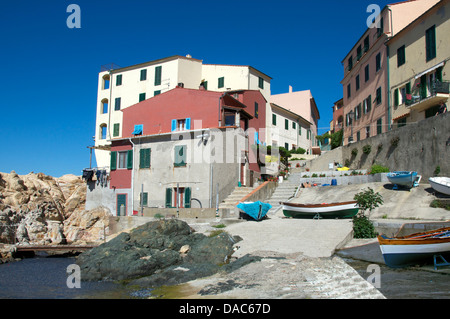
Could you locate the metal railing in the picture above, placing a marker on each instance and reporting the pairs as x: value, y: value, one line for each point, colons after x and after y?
x: 422, y: 93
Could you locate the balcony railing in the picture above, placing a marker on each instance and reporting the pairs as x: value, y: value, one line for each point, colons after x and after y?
x: 437, y: 89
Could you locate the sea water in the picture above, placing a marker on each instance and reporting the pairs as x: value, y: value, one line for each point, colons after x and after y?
x: 46, y: 278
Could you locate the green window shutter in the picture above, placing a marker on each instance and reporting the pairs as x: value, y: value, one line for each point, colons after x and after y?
x: 286, y: 124
x: 157, y: 93
x: 158, y: 73
x: 423, y: 86
x: 116, y: 129
x: 221, y: 83
x: 113, y: 161
x: 187, y: 197
x: 130, y: 159
x: 294, y: 126
x: 141, y: 97
x: 396, y: 97
x: 261, y: 83
x: 144, y: 75
x: 144, y: 158
x: 144, y: 199
x: 379, y: 126
x: 439, y: 74
x: 117, y: 104
x: 180, y: 156
x: 430, y: 39
x: 256, y: 110
x: 274, y: 119
x: 168, y: 197
x: 119, y: 80
x: 408, y: 88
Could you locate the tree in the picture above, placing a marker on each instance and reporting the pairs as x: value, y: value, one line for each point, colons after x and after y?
x: 367, y: 201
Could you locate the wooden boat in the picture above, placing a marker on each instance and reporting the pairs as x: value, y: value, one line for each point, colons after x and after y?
x: 255, y: 210
x: 333, y: 210
x: 415, y: 249
x: 405, y: 179
x: 440, y: 184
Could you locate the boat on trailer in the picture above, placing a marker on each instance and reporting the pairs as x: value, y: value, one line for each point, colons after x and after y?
x: 318, y: 211
x: 419, y: 248
x: 404, y: 179
x: 440, y: 184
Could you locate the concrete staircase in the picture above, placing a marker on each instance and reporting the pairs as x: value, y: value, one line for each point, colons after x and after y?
x: 284, y: 191
x: 233, y: 199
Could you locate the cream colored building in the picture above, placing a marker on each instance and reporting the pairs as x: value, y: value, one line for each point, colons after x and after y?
x: 419, y: 69
x: 119, y: 88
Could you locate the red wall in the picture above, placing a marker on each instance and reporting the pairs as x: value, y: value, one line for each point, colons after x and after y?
x: 120, y: 178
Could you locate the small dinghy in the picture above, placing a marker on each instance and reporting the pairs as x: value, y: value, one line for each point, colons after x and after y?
x: 440, y: 184
x: 404, y: 179
x: 255, y: 210
x: 415, y: 249
x: 317, y: 211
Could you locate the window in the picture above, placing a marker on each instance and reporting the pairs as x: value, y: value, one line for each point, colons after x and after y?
x: 367, y: 106
x: 430, y: 40
x: 143, y: 199
x: 119, y: 80
x: 230, y: 119
x: 366, y: 73
x: 378, y: 98
x: 401, y: 59
x: 138, y: 129
x: 381, y: 28
x: 358, y: 112
x: 396, y: 98
x: 286, y: 124
x: 144, y: 75
x: 367, y: 131
x: 141, y: 97
x: 180, y: 156
x: 378, y: 62
x: 103, y: 131
x: 274, y: 119
x: 117, y: 104
x: 357, y: 82
x: 158, y: 73
x: 350, y: 63
x: 401, y: 122
x: 358, y: 136
x: 379, y: 126
x: 122, y: 160
x: 349, y: 91
x: 261, y: 83
x: 256, y: 110
x: 221, y: 83
x: 144, y: 157
x: 359, y: 53
x: 366, y: 44
x: 105, y: 80
x: 286, y: 146
x: 178, y: 197
x: 158, y: 92
x: 294, y: 126
x: 104, y: 106
x: 181, y: 125
x: 116, y: 130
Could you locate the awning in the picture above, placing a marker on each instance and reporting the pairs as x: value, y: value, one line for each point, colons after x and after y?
x: 138, y: 129
x: 429, y: 70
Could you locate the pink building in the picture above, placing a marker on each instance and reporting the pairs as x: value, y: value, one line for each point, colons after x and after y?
x: 367, y: 107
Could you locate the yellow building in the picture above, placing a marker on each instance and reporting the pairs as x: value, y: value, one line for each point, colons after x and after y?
x: 419, y: 70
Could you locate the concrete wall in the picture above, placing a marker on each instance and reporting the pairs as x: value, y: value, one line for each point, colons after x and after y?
x: 421, y: 147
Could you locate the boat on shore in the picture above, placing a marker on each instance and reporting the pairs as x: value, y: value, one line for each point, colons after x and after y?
x: 404, y: 179
x: 440, y: 184
x: 332, y: 210
x: 415, y: 249
x: 255, y: 210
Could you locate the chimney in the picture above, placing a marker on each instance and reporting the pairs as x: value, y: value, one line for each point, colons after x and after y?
x: 290, y: 89
x: 188, y: 56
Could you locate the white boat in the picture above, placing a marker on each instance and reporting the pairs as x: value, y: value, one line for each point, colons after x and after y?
x: 440, y: 184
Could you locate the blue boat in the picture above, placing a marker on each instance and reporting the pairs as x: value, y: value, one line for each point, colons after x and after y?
x: 256, y: 210
x: 404, y: 179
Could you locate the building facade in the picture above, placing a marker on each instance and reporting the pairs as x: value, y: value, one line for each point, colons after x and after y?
x: 119, y: 88
x: 201, y: 146
x: 367, y: 109
x: 419, y: 69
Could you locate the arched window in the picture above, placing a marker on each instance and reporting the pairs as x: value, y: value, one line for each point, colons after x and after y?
x: 103, y: 131
x: 105, y: 84
x: 104, y: 106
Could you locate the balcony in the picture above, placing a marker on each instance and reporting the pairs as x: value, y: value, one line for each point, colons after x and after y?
x: 423, y: 98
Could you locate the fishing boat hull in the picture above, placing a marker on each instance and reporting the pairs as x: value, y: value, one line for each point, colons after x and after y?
x: 404, y: 179
x: 440, y: 184
x: 254, y: 210
x: 414, y: 249
x: 335, y: 210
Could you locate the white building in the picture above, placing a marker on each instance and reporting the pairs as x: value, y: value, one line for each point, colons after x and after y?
x: 119, y: 88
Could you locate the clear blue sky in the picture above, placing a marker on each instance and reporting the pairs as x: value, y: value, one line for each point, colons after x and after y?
x: 49, y: 72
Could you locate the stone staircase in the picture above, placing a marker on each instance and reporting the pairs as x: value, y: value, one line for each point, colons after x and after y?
x: 233, y: 199
x: 284, y: 191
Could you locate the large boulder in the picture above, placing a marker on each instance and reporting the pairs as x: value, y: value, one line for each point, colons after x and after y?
x: 155, y: 248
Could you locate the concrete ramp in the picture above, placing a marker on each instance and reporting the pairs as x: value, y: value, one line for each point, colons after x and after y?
x: 313, y: 238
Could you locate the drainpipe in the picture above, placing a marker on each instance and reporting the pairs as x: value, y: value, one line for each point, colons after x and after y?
x: 220, y: 109
x: 388, y: 90
x: 132, y: 177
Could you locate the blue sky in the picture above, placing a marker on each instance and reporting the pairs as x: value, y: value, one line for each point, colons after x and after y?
x: 48, y: 79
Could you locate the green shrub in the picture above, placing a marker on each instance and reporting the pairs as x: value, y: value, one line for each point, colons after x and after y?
x: 367, y: 149
x: 363, y: 227
x: 375, y: 169
x: 354, y: 151
x: 367, y: 201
